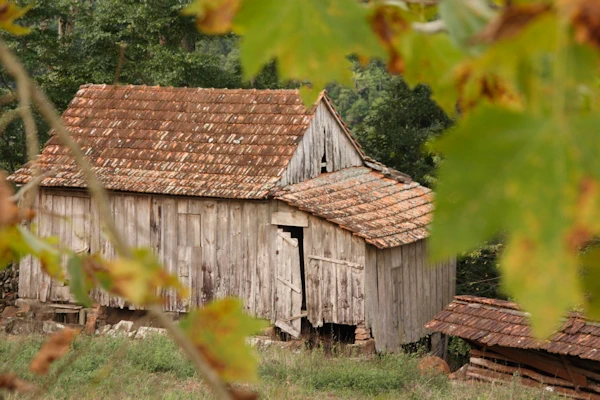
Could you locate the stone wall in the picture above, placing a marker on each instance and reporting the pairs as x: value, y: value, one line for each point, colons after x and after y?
x: 9, y: 287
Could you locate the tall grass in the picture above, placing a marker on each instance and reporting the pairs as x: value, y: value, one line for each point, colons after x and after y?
x: 154, y: 368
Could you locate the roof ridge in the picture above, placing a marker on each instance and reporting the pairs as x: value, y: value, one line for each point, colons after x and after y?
x: 175, y: 88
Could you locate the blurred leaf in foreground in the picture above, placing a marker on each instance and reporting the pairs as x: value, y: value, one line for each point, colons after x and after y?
x: 8, y: 14
x: 532, y: 183
x: 13, y: 383
x: 54, y: 349
x: 138, y: 279
x: 80, y: 283
x: 213, y: 16
x: 309, y: 39
x: 219, y: 331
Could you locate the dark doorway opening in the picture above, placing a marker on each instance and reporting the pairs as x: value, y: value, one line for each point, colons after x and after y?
x: 297, y: 232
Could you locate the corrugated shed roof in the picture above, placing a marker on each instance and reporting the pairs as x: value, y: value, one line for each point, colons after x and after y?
x: 386, y: 212
x: 185, y: 141
x: 502, y: 323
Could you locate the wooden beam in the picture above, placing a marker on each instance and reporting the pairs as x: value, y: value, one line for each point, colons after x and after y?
x: 289, y: 284
x: 506, y: 369
x: 290, y: 218
x: 291, y: 241
x: 539, y: 362
x: 334, y: 261
x: 492, y: 376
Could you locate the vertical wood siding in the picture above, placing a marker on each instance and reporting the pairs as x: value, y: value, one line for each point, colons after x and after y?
x: 217, y: 248
x: 404, y: 293
x: 334, y: 261
x: 224, y: 248
x: 324, y: 136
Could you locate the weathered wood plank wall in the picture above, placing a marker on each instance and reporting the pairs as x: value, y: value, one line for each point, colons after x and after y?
x: 335, y: 274
x: 228, y: 248
x: 324, y: 137
x: 217, y: 248
x: 404, y: 293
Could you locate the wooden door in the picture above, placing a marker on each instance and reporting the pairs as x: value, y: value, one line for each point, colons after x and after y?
x: 334, y: 291
x: 288, y: 293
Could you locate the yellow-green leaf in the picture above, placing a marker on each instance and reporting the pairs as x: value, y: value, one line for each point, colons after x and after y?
x: 309, y: 39
x: 45, y: 249
x: 433, y: 59
x: 464, y: 19
x: 523, y: 174
x: 138, y: 279
x: 213, y: 16
x: 219, y: 331
x: 10, y: 12
x: 80, y: 283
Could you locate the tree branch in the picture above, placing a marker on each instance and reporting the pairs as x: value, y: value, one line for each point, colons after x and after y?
x: 24, y: 89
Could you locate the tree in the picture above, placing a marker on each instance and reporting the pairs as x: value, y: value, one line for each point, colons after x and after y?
x: 399, y: 125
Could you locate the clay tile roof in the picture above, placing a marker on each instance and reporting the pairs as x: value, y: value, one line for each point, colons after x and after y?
x: 469, y: 317
x: 199, y: 142
x: 386, y: 212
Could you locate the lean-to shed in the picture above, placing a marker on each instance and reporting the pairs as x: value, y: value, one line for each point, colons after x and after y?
x: 246, y: 193
x: 503, y: 348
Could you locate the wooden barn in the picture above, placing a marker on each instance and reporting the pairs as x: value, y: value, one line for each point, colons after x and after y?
x: 246, y: 193
x: 503, y: 348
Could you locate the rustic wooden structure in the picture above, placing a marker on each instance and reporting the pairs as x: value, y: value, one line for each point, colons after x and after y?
x: 503, y: 349
x: 246, y: 193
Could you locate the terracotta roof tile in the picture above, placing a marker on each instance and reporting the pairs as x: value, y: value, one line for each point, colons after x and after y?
x: 382, y: 210
x: 497, y: 322
x: 199, y: 142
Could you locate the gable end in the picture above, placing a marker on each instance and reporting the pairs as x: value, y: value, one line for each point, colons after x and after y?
x: 326, y: 146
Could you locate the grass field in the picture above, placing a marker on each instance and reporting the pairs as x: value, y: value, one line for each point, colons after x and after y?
x: 113, y: 368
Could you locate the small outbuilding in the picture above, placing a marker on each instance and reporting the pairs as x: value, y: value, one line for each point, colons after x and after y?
x: 503, y: 348
x: 245, y: 193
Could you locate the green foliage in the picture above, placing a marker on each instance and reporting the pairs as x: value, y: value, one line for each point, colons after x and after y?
x: 459, y: 352
x: 536, y: 156
x: 398, y: 126
x: 478, y: 271
x: 376, y: 377
x: 464, y: 19
x: 354, y: 102
x: 315, y: 32
x: 158, y: 353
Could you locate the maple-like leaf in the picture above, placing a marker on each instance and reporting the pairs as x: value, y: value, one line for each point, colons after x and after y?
x: 137, y: 279
x: 10, y: 12
x: 213, y: 16
x: 219, y: 331
x: 585, y: 17
x: 464, y: 19
x: 81, y: 280
x: 511, y: 21
x: 310, y: 40
x: 389, y: 24
x: 523, y: 174
x: 432, y: 59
